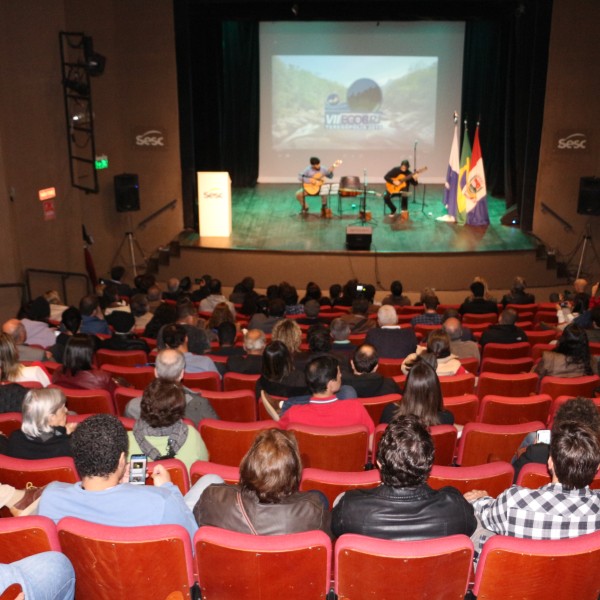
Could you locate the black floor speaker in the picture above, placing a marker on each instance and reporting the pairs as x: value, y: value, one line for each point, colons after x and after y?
x: 589, y: 196
x: 358, y: 238
x: 127, y: 192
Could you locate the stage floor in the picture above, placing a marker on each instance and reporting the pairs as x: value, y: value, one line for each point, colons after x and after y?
x: 267, y: 218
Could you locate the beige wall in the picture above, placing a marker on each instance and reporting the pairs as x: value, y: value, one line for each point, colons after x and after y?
x: 573, y: 105
x: 138, y: 88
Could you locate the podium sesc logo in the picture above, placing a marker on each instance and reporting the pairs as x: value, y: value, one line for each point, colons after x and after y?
x: 574, y: 141
x: 150, y: 138
x: 214, y: 192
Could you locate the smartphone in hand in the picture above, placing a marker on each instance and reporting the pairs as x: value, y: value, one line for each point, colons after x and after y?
x: 137, y: 469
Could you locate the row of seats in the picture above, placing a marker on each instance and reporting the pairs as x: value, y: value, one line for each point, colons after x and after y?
x: 230, y: 565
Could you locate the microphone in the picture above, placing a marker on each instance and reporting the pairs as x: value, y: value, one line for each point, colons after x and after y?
x: 365, y: 176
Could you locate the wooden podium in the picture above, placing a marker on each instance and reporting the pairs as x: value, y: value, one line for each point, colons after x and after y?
x: 214, y: 203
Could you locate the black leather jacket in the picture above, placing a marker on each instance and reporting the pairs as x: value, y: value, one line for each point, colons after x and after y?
x: 412, y: 513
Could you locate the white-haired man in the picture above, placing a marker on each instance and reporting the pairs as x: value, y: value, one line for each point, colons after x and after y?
x: 389, y: 339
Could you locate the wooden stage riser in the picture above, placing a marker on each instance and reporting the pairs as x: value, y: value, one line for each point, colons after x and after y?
x: 444, y: 272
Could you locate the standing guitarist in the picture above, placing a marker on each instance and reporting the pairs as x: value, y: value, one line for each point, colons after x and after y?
x: 398, y: 181
x: 312, y: 179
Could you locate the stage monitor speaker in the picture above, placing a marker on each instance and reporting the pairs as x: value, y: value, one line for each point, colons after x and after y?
x: 127, y: 192
x: 510, y: 217
x: 358, y: 238
x: 589, y: 196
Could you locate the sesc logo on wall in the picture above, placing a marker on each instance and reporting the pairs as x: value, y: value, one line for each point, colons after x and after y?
x: 572, y: 142
x: 149, y: 138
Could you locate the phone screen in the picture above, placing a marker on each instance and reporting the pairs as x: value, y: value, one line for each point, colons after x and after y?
x: 137, y: 469
x: 542, y: 436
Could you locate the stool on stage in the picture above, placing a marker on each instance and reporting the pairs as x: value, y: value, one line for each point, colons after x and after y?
x: 350, y: 187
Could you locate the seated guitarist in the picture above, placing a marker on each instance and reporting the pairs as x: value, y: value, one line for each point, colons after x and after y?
x: 312, y: 178
x: 398, y: 181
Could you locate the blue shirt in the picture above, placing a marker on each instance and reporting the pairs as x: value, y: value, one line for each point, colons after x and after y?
x: 93, y: 325
x: 124, y: 505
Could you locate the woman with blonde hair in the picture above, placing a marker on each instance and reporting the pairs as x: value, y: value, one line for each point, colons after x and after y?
x: 12, y: 370
x: 44, y: 432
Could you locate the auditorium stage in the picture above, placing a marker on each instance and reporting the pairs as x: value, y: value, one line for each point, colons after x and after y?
x: 273, y: 241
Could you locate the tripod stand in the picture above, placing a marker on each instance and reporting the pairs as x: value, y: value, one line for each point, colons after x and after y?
x: 362, y: 207
x: 132, y: 244
x: 583, y: 242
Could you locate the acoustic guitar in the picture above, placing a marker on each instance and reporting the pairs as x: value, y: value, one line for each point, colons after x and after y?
x: 313, y: 185
x: 400, y: 182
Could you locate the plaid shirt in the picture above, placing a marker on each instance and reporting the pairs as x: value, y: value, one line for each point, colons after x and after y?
x: 426, y: 319
x: 547, y: 513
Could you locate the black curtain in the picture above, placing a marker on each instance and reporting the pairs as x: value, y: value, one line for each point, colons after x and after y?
x: 504, y: 75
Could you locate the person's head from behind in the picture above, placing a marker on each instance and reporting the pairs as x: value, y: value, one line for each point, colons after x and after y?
x: 431, y: 302
x: 88, y: 305
x: 214, y: 287
x: 581, y: 410
x: 396, y: 288
x: 277, y: 361
x: 163, y: 403
x: 220, y: 314
x: 288, y: 293
x: 100, y: 446
x: 276, y: 307
x: 9, y: 358
x: 169, y: 365
x: 453, y: 328
x: 313, y: 291
x: 255, y: 341
x: 312, y: 308
x: 339, y: 330
x: 574, y: 454
x: 508, y: 317
x: 288, y: 332
x: 387, y: 316
x: 42, y: 410
x: 360, y: 305
x: 335, y: 291
x: 117, y: 273
x: 227, y: 333
x: 139, y: 305
x: 16, y: 330
x: 519, y: 285
x: 272, y: 468
x: 165, y: 314
x: 477, y: 289
x: 422, y: 393
x: 406, y: 452
x: 573, y: 343
x: 438, y: 343
x: 71, y: 320
x: 322, y: 371
x: 186, y: 311
x: 174, y: 336
x: 365, y: 359
x: 79, y: 354
x: 318, y: 338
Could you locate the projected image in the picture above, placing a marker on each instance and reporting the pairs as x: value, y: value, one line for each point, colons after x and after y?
x: 354, y: 102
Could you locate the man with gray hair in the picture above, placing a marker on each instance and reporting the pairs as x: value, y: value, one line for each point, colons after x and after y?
x: 250, y: 364
x: 342, y: 347
x: 389, y: 339
x: 506, y: 332
x: 18, y: 333
x: 169, y: 366
x: 461, y: 349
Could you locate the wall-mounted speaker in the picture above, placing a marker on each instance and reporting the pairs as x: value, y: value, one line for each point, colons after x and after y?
x: 127, y: 192
x: 358, y: 238
x: 588, y: 202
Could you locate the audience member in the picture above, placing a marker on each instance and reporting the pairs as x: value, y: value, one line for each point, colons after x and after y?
x: 173, y: 291
x: 478, y: 304
x: 438, y: 344
x: 140, y: 309
x: 160, y: 431
x: 422, y: 396
x: 289, y: 332
x: 311, y: 313
x: 313, y: 292
x: 564, y: 508
x: 111, y: 301
x: 215, y: 297
x: 154, y: 298
x: 203, y: 291
x: 364, y: 377
x: 458, y: 347
x: 100, y: 448
x: 92, y: 317
x: 395, y: 297
x: 123, y: 337
x: 570, y: 358
x: 289, y: 295
x: 593, y: 331
x: 78, y: 371
x: 267, y: 500
x: 116, y: 278
x: 17, y: 331
x: 505, y: 332
x: 242, y: 290
x: 220, y: 314
x: 404, y: 507
x: 44, y: 431
x: 452, y: 313
x: 266, y: 321
x: 430, y: 316
x: 12, y: 370
x: 175, y: 337
x: 169, y: 367
x: 226, y: 334
x: 324, y: 379
x: 279, y: 377
x: 11, y: 396
x: 187, y: 317
x: 341, y: 346
x: 358, y: 319
x: 390, y: 340
x: 34, y: 317
x: 517, y: 294
x: 250, y: 364
x: 165, y: 314
x: 70, y: 323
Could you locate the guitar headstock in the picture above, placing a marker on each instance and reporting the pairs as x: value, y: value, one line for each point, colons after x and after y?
x: 337, y: 163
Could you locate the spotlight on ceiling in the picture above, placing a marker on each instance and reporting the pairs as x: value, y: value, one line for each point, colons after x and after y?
x: 94, y: 62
